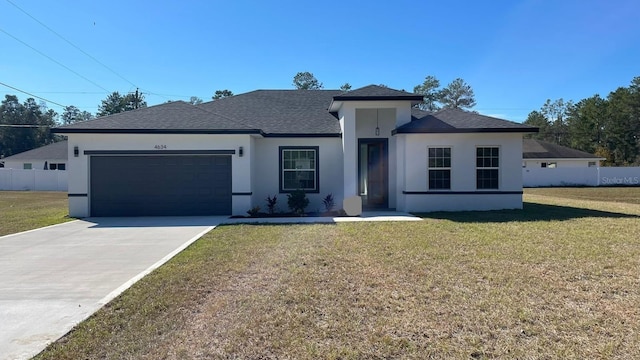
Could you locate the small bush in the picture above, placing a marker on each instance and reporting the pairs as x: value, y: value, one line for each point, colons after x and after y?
x: 271, y: 204
x: 297, y: 201
x: 328, y: 202
x: 254, y: 211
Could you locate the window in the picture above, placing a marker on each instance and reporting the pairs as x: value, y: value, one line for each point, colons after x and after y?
x: 592, y: 164
x: 53, y: 166
x: 299, y: 169
x: 487, y: 167
x: 439, y: 168
x: 26, y: 166
x: 60, y: 166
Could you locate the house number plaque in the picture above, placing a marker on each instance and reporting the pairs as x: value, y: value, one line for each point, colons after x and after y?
x: 160, y: 147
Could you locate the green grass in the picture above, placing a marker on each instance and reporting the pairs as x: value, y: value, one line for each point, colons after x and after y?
x: 629, y: 195
x: 26, y: 210
x: 556, y: 280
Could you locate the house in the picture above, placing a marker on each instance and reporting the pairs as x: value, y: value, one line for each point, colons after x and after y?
x: 228, y: 155
x: 542, y: 154
x: 48, y: 157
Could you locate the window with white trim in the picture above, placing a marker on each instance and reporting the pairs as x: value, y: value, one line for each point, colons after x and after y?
x: 487, y: 167
x: 299, y: 169
x: 439, y: 168
x: 27, y: 166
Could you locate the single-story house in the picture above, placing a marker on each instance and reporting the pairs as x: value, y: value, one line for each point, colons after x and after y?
x: 48, y: 157
x: 543, y: 154
x: 228, y: 155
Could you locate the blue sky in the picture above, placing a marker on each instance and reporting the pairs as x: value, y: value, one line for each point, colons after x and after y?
x: 515, y: 54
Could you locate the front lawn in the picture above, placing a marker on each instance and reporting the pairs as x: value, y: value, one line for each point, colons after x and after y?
x: 621, y: 194
x: 26, y: 210
x: 557, y: 280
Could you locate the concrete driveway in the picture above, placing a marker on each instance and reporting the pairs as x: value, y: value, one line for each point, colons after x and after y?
x: 53, y: 278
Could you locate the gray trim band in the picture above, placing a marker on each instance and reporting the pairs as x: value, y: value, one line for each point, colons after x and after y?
x: 462, y: 192
x: 77, y: 195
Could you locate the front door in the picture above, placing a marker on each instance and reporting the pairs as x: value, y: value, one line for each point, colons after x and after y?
x: 373, y: 172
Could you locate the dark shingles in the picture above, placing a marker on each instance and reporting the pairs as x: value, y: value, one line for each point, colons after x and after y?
x: 457, y: 120
x: 55, y: 151
x: 376, y: 92
x: 176, y: 115
x: 538, y: 149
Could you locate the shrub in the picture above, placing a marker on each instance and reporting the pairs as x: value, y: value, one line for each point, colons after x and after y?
x: 271, y: 204
x: 254, y: 211
x: 297, y: 201
x: 328, y: 202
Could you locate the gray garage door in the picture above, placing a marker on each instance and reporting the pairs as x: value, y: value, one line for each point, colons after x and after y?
x: 160, y: 185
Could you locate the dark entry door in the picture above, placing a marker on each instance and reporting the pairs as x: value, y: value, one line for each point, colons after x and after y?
x: 373, y: 172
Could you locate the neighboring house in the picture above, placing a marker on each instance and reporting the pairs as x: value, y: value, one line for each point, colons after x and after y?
x: 542, y: 154
x: 226, y: 156
x: 53, y: 155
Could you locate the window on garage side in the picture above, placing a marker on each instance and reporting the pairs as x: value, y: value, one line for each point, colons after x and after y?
x: 299, y: 169
x: 439, y: 164
x: 487, y: 167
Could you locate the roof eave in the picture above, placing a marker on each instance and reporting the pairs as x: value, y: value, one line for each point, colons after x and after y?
x: 466, y: 131
x: 156, y: 131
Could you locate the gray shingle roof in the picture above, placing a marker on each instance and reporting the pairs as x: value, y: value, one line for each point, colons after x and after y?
x: 176, y: 116
x: 376, y: 92
x: 279, y: 112
x: 538, y: 149
x: 55, y: 151
x: 458, y: 121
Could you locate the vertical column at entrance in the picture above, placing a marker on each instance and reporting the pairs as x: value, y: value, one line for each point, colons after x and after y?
x: 350, y: 150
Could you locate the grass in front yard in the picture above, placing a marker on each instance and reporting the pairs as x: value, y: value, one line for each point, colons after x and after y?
x: 552, y: 281
x: 630, y: 195
x: 26, y: 210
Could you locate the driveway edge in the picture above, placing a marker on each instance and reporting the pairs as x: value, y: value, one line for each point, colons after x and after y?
x: 112, y: 295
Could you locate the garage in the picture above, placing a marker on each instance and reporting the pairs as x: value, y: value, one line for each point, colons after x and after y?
x: 161, y: 185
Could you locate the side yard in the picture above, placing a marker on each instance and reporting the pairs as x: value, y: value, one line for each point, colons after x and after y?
x: 26, y: 210
x: 558, y: 280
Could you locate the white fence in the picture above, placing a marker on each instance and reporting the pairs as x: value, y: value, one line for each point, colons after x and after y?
x: 30, y: 180
x: 603, y: 176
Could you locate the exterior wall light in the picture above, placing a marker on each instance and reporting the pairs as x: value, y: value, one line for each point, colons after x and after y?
x: 240, y: 151
x: 76, y: 151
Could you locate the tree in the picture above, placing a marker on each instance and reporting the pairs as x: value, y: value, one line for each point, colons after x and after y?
x: 26, y: 125
x: 306, y: 81
x: 457, y: 94
x: 194, y: 100
x: 345, y: 87
x: 72, y: 115
x: 536, y: 119
x: 556, y: 113
x: 116, y: 103
x: 586, y: 123
x: 219, y: 94
x: 431, y: 95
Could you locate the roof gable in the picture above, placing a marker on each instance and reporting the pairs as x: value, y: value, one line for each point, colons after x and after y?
x: 538, y: 149
x: 458, y: 121
x: 376, y: 92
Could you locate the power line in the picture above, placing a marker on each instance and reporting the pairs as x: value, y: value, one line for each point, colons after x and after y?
x: 30, y: 94
x: 70, y: 43
x: 52, y: 59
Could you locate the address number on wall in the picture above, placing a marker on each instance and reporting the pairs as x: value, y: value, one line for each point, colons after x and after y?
x: 160, y: 147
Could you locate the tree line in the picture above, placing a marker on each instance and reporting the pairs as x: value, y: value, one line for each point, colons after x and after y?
x: 607, y: 127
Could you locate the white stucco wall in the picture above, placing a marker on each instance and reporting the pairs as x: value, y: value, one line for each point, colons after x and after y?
x: 78, y: 167
x: 266, y: 171
x: 560, y: 163
x: 413, y: 154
